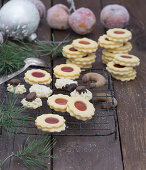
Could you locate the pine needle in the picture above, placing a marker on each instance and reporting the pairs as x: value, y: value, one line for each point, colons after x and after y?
x: 10, y: 114
x: 32, y: 152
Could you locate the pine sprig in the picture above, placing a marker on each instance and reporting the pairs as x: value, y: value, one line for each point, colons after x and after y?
x: 12, y: 55
x: 10, y: 114
x: 32, y: 152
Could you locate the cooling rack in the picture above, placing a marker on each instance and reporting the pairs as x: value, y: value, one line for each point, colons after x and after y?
x: 103, y: 123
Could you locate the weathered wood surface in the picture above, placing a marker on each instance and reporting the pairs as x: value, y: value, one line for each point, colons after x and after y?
x: 92, y: 153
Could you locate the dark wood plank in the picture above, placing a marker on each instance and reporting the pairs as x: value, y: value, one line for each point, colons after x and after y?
x: 131, y: 96
x: 86, y: 152
x: 9, y: 145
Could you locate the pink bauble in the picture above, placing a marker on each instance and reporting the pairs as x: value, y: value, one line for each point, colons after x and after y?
x: 82, y: 21
x: 57, y: 17
x: 114, y: 16
x: 1, y: 38
x: 40, y: 6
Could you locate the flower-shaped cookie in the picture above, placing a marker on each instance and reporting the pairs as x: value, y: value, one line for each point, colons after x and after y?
x: 126, y: 60
x: 80, y: 108
x: 70, y: 52
x: 37, y: 76
x: 85, y: 45
x: 58, y: 102
x: 119, y: 34
x: 106, y: 43
x: 70, y: 71
x: 50, y: 123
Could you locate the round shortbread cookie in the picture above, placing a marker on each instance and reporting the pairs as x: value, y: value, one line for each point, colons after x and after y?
x: 106, y: 43
x: 118, y: 69
x: 67, y: 71
x: 37, y: 76
x: 126, y: 60
x: 119, y: 34
x: 80, y: 65
x: 80, y: 108
x: 58, y: 102
x: 85, y: 45
x: 70, y: 52
x: 123, y: 49
x: 128, y: 77
x: 50, y: 123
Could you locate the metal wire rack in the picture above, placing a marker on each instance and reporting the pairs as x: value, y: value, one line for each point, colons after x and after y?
x: 103, y: 123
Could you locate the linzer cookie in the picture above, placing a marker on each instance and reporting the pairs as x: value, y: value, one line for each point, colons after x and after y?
x: 118, y: 34
x: 125, y: 77
x: 80, y: 108
x: 37, y: 76
x: 41, y: 90
x: 31, y: 101
x: 58, y: 102
x: 14, y: 86
x: 118, y: 69
x: 82, y: 66
x: 126, y: 60
x: 127, y: 47
x: 66, y: 84
x: 85, y: 45
x: 83, y: 92
x: 50, y: 123
x: 69, y: 51
x: 70, y: 71
x: 89, y: 58
x: 106, y: 43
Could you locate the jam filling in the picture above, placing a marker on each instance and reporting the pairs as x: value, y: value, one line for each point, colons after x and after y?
x: 85, y: 56
x: 38, y: 74
x: 51, y: 120
x: 118, y: 66
x: 61, y: 101
x: 125, y: 56
x: 73, y: 49
x: 67, y: 69
x: 106, y: 39
x: 119, y: 32
x: 80, y: 106
x: 84, y: 42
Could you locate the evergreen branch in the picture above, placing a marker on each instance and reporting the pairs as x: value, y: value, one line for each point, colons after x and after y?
x: 32, y: 152
x: 10, y: 114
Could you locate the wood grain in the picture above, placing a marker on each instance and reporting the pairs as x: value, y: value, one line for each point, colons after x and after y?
x: 131, y: 95
x: 88, y: 153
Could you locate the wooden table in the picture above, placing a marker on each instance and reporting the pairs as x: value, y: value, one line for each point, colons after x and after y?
x: 101, y: 153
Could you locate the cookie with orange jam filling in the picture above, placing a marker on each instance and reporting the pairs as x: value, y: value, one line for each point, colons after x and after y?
x: 85, y: 45
x: 119, y: 34
x: 37, y: 76
x: 69, y: 51
x: 80, y: 108
x: 58, y: 102
x: 70, y: 71
x: 50, y: 123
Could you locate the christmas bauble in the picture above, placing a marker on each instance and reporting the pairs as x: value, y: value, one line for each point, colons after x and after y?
x: 19, y: 19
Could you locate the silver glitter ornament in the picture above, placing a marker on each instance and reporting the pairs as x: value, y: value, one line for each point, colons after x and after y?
x: 19, y: 19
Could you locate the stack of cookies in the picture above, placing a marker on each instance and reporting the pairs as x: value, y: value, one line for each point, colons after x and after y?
x: 115, y: 42
x: 81, y: 52
x: 121, y: 68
